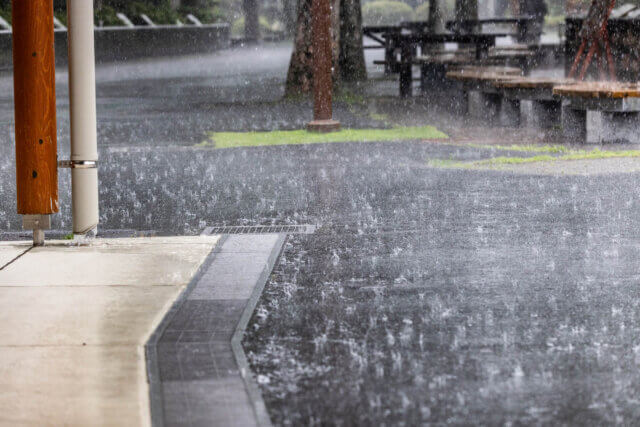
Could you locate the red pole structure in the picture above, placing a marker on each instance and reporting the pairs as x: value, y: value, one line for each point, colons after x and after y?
x: 35, y: 113
x: 322, y: 64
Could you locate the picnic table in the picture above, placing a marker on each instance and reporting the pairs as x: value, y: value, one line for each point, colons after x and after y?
x: 616, y: 104
x: 599, y: 90
x: 545, y: 106
x: 407, y: 44
x: 484, y: 101
x: 524, y: 25
x: 378, y: 33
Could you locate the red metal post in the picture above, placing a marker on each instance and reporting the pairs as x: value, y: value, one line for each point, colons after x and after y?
x: 322, y: 64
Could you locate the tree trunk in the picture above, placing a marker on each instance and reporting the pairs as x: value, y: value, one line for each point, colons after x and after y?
x: 251, y: 20
x: 289, y: 13
x: 466, y: 10
x: 351, y: 59
x: 436, y: 17
x: 300, y: 75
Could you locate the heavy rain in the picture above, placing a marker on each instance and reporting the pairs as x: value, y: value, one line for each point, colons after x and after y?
x: 458, y: 179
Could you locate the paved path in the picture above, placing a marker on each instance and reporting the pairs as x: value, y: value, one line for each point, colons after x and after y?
x: 74, y: 323
x: 197, y: 366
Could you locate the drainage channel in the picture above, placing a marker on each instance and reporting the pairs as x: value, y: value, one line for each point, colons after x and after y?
x: 261, y: 229
x: 198, y: 372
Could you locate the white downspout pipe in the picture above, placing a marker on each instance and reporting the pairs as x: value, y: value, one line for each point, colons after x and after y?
x: 82, y: 100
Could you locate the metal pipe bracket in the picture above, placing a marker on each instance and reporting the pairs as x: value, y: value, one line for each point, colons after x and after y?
x: 77, y: 164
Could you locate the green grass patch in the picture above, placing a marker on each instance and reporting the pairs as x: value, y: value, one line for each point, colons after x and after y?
x: 595, y: 154
x: 379, y: 117
x: 299, y: 137
x: 349, y: 97
x: 555, y: 149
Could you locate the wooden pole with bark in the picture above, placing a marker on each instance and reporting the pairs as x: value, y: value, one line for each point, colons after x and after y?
x: 35, y: 113
x: 322, y: 65
x: 300, y: 74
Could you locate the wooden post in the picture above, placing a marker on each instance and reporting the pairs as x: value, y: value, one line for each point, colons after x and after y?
x: 35, y: 109
x: 322, y: 64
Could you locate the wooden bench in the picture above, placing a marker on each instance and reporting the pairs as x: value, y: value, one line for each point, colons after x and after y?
x: 615, y: 108
x: 543, y: 108
x: 523, y: 59
x: 434, y: 66
x: 409, y: 43
x: 484, y: 100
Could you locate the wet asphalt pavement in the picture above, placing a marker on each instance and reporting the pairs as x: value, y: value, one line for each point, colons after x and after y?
x: 426, y: 296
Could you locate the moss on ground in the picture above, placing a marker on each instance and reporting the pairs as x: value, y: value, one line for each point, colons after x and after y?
x: 299, y: 137
x: 499, y: 161
x: 528, y: 148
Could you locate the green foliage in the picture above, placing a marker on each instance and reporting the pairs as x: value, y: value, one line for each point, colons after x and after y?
x: 384, y: 12
x: 237, y: 27
x: 5, y: 12
x: 106, y: 16
x: 554, y: 21
x: 159, y: 11
x: 208, y: 12
x: 160, y: 14
x: 422, y: 12
x: 62, y: 16
x: 298, y: 137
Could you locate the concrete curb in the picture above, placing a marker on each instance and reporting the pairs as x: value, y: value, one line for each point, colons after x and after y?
x: 259, y: 407
x: 151, y: 349
x: 125, y: 44
x: 154, y: 356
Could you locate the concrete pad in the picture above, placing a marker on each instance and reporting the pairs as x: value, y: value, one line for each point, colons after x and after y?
x: 10, y: 252
x: 510, y: 112
x: 607, y: 127
x: 95, y: 315
x: 574, y: 123
x: 110, y: 262
x: 74, y: 323
x: 544, y: 114
x: 83, y: 386
x: 484, y: 106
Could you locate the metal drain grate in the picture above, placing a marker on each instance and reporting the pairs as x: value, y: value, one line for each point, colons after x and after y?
x: 261, y: 229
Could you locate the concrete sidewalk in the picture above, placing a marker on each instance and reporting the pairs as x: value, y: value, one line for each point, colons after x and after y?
x: 75, y: 320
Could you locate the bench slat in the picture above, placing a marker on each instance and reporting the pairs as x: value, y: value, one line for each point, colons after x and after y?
x: 535, y: 83
x: 614, y: 90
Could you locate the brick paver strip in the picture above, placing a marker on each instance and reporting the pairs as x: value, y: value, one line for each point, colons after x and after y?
x: 198, y: 372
